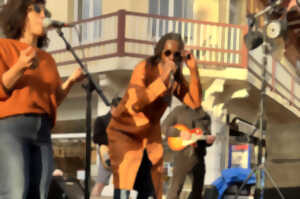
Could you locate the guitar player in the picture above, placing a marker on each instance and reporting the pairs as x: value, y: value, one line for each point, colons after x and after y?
x: 100, y: 138
x: 189, y: 160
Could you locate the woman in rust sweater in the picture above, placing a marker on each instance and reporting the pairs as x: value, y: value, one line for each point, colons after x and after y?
x: 134, y: 134
x: 30, y: 91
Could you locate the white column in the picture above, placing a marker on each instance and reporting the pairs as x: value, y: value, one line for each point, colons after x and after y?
x: 108, y: 93
x: 216, y: 157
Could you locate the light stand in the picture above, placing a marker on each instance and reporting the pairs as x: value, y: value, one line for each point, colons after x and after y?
x: 260, y: 169
x: 89, y: 87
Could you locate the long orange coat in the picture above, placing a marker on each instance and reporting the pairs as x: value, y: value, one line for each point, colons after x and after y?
x: 135, y: 124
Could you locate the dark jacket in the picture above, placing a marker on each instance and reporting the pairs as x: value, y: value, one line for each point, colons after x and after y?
x: 192, y: 119
x: 100, y: 125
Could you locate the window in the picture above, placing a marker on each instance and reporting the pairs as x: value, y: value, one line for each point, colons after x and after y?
x: 159, y: 7
x: 85, y: 9
x: 183, y: 9
x: 236, y: 15
x: 2, y: 2
x: 171, y: 8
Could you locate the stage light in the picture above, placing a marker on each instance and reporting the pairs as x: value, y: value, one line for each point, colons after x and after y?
x: 253, y: 39
x: 275, y: 28
x: 271, y: 31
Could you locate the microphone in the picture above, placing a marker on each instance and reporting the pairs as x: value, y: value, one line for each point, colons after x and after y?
x: 47, y: 23
x: 172, y: 73
x: 168, y: 97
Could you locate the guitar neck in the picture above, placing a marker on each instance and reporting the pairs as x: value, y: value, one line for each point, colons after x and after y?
x: 194, y: 139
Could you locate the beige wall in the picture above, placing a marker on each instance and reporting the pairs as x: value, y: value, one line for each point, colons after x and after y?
x: 243, y: 7
x: 59, y: 9
x: 239, y: 9
x: 219, y: 10
x: 71, y: 5
x: 110, y: 6
x: 207, y: 10
x: 64, y: 11
x: 212, y: 10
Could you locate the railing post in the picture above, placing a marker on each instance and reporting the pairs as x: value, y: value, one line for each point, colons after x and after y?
x: 244, y: 51
x: 273, y: 74
x: 292, y: 90
x: 121, y: 33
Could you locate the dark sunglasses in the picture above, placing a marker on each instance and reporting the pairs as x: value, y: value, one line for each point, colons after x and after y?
x: 177, y: 55
x: 38, y: 9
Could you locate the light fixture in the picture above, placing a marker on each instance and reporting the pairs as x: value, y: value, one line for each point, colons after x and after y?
x: 275, y: 29
x: 253, y: 39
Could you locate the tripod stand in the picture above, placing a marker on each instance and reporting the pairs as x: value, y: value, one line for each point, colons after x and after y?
x: 260, y: 169
x: 253, y: 40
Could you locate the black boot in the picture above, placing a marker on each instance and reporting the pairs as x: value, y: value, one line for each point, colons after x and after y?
x: 121, y: 194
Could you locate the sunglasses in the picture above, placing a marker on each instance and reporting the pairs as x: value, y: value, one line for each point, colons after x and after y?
x: 38, y: 9
x: 177, y: 55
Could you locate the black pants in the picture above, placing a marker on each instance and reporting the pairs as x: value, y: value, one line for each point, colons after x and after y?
x: 186, y: 162
x: 198, y: 173
x: 143, y: 182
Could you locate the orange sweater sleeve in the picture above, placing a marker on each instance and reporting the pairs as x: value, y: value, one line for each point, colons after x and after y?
x: 190, y: 93
x: 4, y: 93
x: 140, y: 94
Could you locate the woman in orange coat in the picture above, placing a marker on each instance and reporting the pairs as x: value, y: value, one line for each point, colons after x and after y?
x: 134, y: 131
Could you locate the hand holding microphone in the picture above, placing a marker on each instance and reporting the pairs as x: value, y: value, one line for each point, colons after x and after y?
x: 167, y: 72
x: 27, y: 59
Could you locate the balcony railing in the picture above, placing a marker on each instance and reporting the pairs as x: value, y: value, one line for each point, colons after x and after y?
x: 133, y: 34
x: 278, y: 78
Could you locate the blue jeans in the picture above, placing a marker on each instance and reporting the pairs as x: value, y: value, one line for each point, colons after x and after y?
x: 26, y: 157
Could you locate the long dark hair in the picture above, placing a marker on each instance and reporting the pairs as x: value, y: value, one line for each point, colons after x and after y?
x: 153, y: 60
x: 12, y: 19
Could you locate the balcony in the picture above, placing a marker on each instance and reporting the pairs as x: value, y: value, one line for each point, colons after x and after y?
x: 129, y: 34
x: 117, y: 41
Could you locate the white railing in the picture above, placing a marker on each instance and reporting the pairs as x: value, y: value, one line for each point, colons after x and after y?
x: 211, y: 43
x: 278, y: 78
x: 103, y: 28
x: 134, y: 34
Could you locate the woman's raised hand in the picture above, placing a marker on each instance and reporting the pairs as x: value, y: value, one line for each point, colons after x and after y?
x: 27, y: 58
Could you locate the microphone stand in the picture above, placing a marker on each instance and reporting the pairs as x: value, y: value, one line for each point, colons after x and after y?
x: 89, y: 87
x: 260, y: 169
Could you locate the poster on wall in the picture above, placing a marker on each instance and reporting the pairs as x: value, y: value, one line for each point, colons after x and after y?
x: 240, y: 156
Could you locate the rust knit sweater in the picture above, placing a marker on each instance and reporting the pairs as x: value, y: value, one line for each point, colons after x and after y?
x: 36, y: 90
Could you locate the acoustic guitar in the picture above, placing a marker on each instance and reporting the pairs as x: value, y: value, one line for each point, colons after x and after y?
x: 177, y: 143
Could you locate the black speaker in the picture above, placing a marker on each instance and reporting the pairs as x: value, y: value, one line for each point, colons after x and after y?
x: 211, y: 192
x: 65, y: 188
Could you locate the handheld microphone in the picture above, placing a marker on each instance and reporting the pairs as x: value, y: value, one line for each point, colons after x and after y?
x: 172, y: 78
x: 172, y: 73
x: 168, y: 98
x: 48, y: 23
